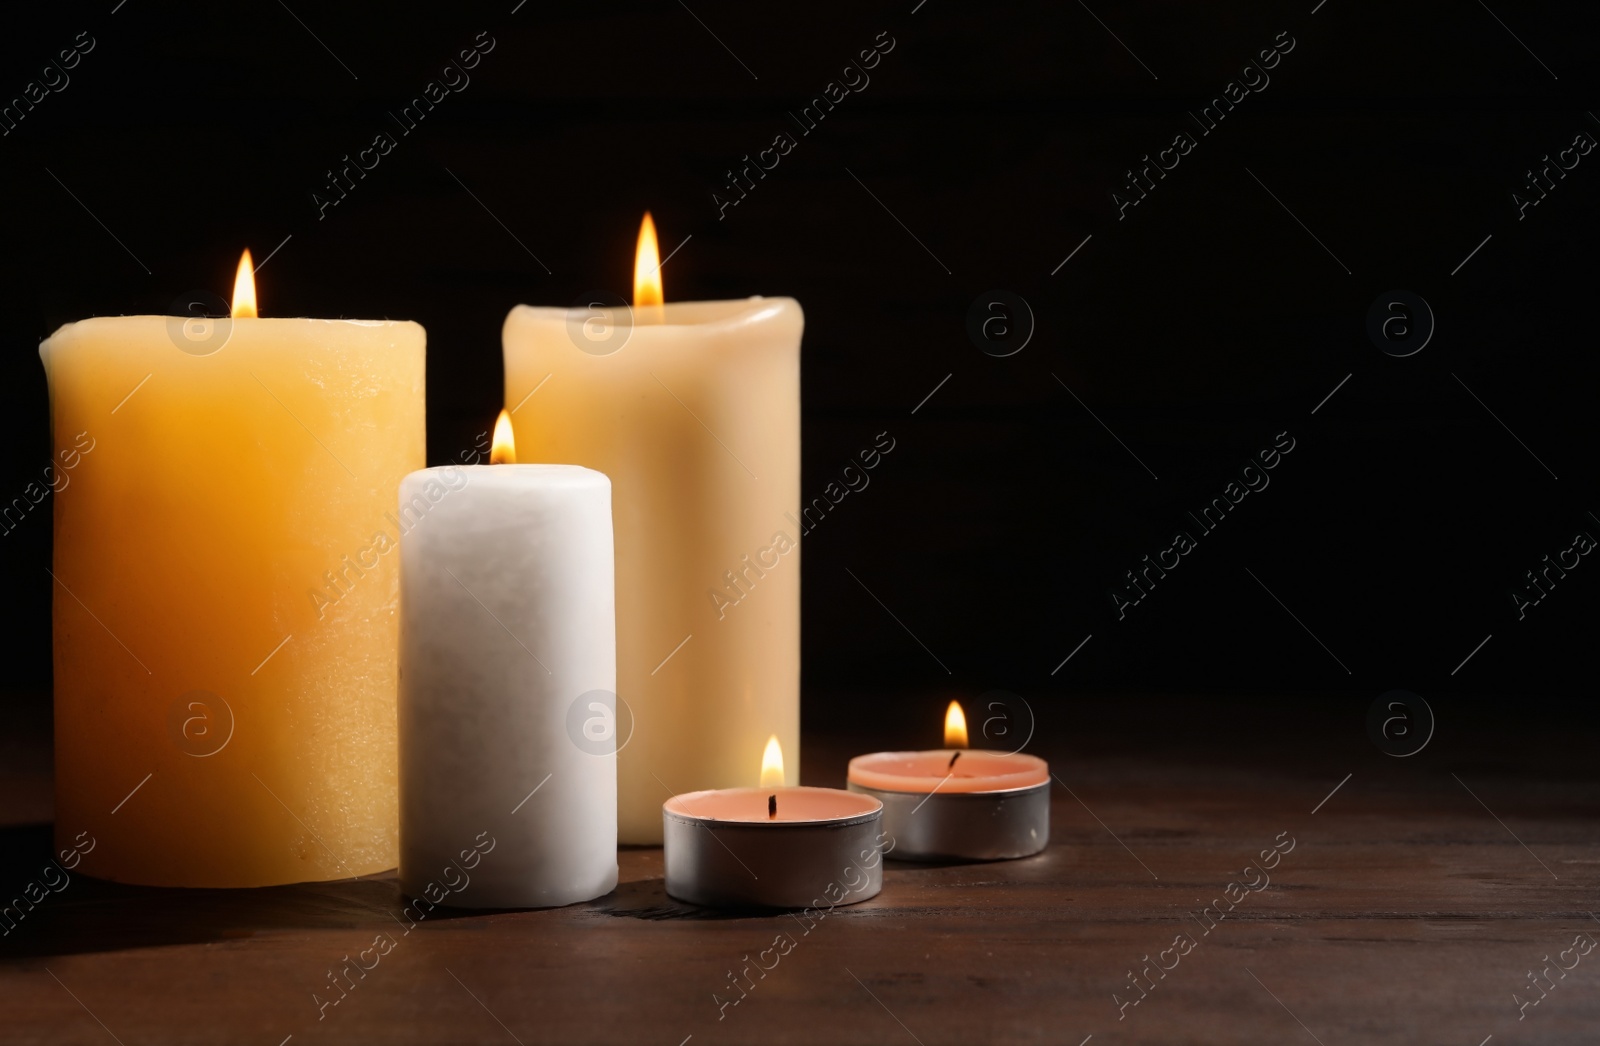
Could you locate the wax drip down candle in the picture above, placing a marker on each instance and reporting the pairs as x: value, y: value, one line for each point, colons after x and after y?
x: 958, y: 803
x: 507, y: 684
x: 224, y: 618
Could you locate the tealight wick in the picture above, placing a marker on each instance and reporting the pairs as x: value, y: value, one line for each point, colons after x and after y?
x: 772, y: 807
x: 953, y: 759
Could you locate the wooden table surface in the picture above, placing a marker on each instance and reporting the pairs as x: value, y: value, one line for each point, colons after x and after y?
x: 1417, y: 896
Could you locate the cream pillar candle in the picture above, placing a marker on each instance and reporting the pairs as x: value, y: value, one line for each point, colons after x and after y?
x: 693, y: 410
x: 507, y: 686
x: 225, y: 607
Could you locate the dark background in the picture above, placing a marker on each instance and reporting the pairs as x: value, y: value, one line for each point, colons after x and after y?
x: 1198, y: 327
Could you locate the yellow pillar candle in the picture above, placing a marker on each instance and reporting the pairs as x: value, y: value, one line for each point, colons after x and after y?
x: 225, y: 592
x: 693, y: 410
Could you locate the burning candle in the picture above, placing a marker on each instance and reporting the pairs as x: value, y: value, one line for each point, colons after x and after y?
x: 958, y: 803
x: 507, y: 684
x: 693, y: 410
x: 773, y: 846
x: 225, y: 605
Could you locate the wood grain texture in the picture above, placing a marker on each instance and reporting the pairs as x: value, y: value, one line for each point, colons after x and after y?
x: 1405, y: 913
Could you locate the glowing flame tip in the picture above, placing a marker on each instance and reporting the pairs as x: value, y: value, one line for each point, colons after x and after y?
x: 244, y: 288
x: 504, y: 449
x: 955, y: 726
x: 772, y: 764
x: 647, y: 266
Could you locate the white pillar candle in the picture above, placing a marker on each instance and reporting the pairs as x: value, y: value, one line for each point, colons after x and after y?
x: 507, y: 683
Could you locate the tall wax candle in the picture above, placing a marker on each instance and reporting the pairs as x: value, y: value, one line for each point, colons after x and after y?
x: 693, y: 410
x: 224, y: 597
x: 508, y: 768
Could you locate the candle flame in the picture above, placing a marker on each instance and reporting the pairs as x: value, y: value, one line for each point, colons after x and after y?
x: 244, y: 288
x: 772, y: 764
x: 955, y: 726
x: 647, y: 266
x: 504, y: 449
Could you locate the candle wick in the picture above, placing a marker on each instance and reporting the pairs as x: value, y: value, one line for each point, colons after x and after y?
x: 772, y: 807
x: 953, y: 759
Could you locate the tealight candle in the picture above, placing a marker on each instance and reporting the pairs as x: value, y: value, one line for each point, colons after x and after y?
x: 958, y: 803
x: 771, y: 846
